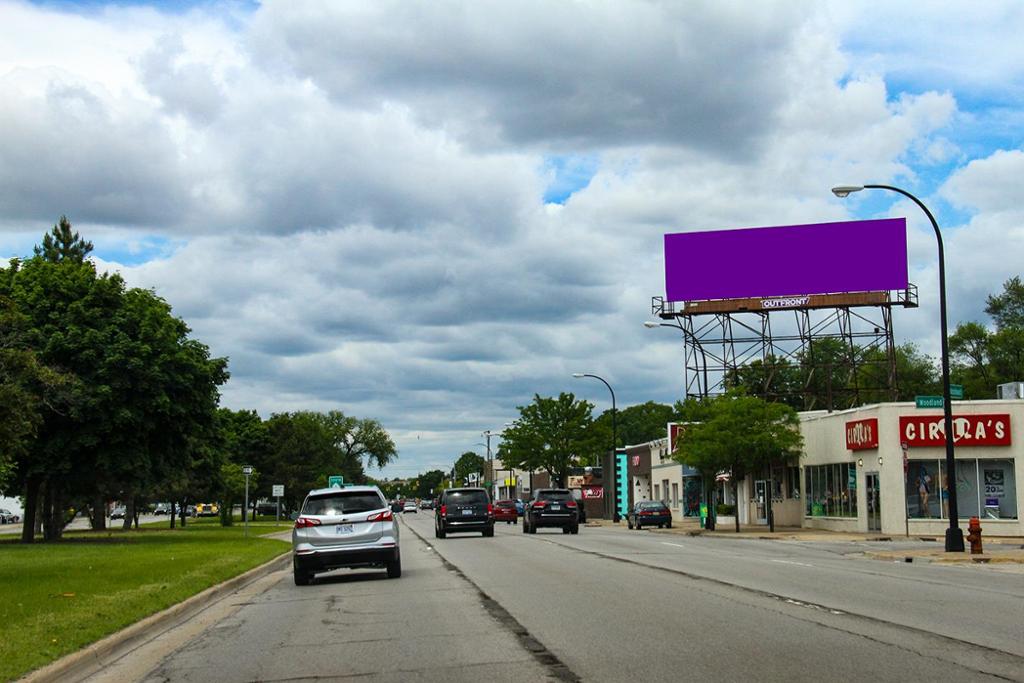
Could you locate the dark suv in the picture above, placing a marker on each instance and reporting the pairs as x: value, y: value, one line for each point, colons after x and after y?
x: 552, y: 507
x: 467, y: 509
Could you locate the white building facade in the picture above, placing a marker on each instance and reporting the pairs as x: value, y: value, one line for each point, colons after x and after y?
x: 882, y: 468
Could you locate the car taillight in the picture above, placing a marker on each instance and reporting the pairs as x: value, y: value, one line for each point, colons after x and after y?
x: 490, y: 509
x: 303, y: 522
x: 444, y: 510
x: 540, y: 504
x: 571, y: 504
x: 384, y: 516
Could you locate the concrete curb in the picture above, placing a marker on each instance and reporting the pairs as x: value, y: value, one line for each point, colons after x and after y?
x: 94, y: 657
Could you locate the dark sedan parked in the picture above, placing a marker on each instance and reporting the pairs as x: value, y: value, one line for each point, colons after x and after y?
x: 465, y: 509
x: 649, y: 513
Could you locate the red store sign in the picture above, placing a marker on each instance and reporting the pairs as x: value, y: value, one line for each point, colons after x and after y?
x: 968, y: 430
x: 862, y: 434
x: 591, y: 492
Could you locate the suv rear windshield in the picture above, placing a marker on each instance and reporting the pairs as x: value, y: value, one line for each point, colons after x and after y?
x: 343, y: 503
x: 554, y: 494
x: 466, y: 498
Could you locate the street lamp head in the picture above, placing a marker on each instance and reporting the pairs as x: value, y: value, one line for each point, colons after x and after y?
x: 842, y: 191
x: 650, y: 324
x: 577, y: 375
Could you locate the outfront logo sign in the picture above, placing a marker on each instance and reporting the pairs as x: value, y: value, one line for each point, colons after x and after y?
x: 788, y: 302
x: 862, y: 434
x: 968, y: 430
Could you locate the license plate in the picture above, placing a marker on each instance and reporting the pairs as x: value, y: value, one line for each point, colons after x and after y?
x: 467, y: 512
x: 556, y: 507
x: 343, y: 528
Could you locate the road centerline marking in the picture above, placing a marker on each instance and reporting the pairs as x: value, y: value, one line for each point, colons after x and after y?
x: 674, y: 545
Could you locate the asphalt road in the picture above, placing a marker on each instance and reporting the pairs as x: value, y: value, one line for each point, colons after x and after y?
x: 617, y: 605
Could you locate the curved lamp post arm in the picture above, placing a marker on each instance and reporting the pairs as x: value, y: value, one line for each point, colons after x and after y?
x: 954, y: 535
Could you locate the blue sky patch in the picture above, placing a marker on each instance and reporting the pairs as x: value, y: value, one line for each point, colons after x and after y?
x: 571, y: 173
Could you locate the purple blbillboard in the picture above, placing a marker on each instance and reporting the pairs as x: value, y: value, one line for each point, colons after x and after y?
x: 818, y: 258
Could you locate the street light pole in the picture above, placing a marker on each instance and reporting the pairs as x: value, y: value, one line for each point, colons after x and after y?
x: 609, y: 476
x: 650, y: 324
x: 954, y: 535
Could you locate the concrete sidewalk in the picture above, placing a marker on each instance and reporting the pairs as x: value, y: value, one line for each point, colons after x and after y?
x: 1003, y: 549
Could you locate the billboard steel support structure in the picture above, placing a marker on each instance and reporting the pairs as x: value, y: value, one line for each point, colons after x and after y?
x: 844, y: 353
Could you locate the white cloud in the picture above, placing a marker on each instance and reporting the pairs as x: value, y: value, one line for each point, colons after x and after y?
x: 347, y: 199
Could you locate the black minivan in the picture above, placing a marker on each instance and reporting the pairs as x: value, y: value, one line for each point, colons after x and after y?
x: 465, y: 509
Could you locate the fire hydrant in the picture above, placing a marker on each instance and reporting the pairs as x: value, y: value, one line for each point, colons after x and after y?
x: 974, y: 536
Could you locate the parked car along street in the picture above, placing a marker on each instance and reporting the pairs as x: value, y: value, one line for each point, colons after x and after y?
x: 649, y: 513
x: 118, y: 512
x: 8, y: 517
x: 350, y: 527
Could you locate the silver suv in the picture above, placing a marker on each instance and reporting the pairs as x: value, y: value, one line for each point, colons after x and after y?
x: 345, y: 527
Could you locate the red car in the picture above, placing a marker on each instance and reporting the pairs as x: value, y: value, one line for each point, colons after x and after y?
x: 505, y: 511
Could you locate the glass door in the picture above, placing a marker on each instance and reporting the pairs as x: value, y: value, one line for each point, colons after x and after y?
x: 761, y: 500
x: 874, y: 501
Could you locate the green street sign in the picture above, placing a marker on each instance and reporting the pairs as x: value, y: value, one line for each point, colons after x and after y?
x: 928, y: 401
x: 956, y: 390
x: 335, y: 481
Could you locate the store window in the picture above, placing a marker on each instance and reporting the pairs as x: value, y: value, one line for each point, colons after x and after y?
x: 656, y: 494
x: 675, y: 495
x: 984, y: 488
x: 793, y: 482
x: 778, y: 484
x: 831, y: 490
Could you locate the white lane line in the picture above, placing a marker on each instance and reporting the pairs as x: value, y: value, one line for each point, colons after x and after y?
x: 801, y: 564
x: 674, y: 545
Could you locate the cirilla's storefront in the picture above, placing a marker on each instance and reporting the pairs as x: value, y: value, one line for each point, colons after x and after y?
x: 882, y: 468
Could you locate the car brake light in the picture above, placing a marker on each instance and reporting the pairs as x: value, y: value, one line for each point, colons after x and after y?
x: 384, y: 516
x: 303, y: 522
x: 444, y: 510
x: 540, y: 504
x: 490, y: 509
x: 571, y: 504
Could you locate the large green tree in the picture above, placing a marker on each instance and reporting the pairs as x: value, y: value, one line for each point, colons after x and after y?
x: 143, y: 394
x: 552, y: 434
x: 737, y: 433
x: 983, y: 358
x: 636, y: 424
x: 468, y: 464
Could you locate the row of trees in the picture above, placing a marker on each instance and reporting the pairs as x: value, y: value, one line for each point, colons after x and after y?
x: 105, y: 396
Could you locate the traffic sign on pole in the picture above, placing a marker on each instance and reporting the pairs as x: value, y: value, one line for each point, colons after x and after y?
x: 929, y: 401
x: 335, y: 481
x: 956, y: 391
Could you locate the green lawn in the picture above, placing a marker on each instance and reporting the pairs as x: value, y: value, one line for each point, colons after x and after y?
x: 56, y: 598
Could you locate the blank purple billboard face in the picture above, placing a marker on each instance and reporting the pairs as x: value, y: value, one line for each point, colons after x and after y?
x: 818, y: 258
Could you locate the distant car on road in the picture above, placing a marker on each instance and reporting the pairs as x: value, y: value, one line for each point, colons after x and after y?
x: 410, y: 506
x: 118, y: 512
x: 505, y: 511
x: 8, y: 517
x: 162, y: 509
x: 426, y: 504
x: 649, y: 513
x: 207, y: 510
x: 349, y: 527
x: 552, y: 508
x: 463, y: 509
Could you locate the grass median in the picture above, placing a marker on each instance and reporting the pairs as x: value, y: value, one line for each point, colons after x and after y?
x: 55, y: 598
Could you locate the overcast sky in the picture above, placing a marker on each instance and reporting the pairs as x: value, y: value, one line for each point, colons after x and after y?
x: 427, y: 212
